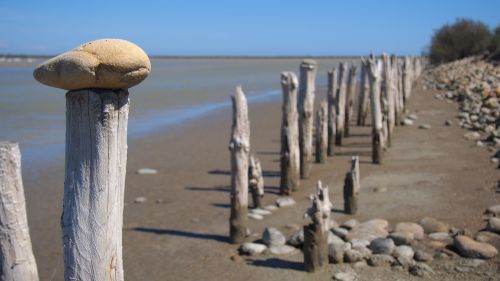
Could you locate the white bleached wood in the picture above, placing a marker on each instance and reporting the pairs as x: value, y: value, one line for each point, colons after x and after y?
x: 307, y: 87
x: 350, y: 96
x: 389, y: 96
x: 322, y: 132
x: 352, y: 187
x: 256, y: 181
x: 363, y: 98
x: 407, y: 80
x: 96, y: 157
x: 332, y: 95
x: 395, y: 88
x: 290, y: 151
x: 239, y: 146
x: 374, y: 68
x: 341, y: 102
x: 16, y: 254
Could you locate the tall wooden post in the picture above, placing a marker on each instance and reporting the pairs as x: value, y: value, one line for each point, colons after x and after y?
x: 352, y: 187
x: 239, y: 146
x: 406, y: 80
x: 96, y: 158
x: 316, y: 233
x: 332, y: 95
x: 290, y: 152
x: 364, y: 95
x: 340, y: 103
x: 395, y: 89
x: 401, y: 100
x: 389, y: 95
x: 322, y: 132
x: 306, y: 109
x: 17, y: 261
x: 255, y: 181
x: 374, y: 68
x: 349, y: 106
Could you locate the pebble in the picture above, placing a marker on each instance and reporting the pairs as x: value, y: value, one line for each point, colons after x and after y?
x: 413, y: 117
x: 493, y: 225
x: 407, y: 122
x: 380, y: 189
x: 261, y: 212
x: 251, y: 249
x: 334, y: 239
x: 411, y: 227
x: 283, y: 250
x: 336, y: 252
x: 147, y: 171
x: 440, y: 236
x: 345, y: 276
x: 420, y: 269
x: 353, y: 255
x: 382, y: 246
x: 448, y: 123
x: 340, y: 232
x: 469, y: 248
x: 489, y: 237
x: 404, y: 251
x: 359, y: 243
x: 285, y: 202
x: 423, y: 256
x: 369, y: 230
x: 271, y: 208
x: 472, y: 136
x: 140, y: 200
x: 99, y: 64
x: 350, y: 224
x: 380, y: 260
x: 255, y: 216
x: 431, y: 225
x: 424, y: 126
x: 272, y: 237
x: 402, y: 238
x: 297, y: 238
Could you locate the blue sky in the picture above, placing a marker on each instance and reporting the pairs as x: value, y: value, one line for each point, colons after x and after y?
x: 250, y: 27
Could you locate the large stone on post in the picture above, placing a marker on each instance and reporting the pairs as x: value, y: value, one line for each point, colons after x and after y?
x: 100, y: 64
x: 307, y: 87
x: 97, y: 74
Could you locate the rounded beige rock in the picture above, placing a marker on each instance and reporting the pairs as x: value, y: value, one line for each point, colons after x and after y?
x: 102, y: 64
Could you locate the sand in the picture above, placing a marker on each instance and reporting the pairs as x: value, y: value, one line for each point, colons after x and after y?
x: 183, y: 236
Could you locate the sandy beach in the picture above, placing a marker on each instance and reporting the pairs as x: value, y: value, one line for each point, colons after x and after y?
x: 180, y: 232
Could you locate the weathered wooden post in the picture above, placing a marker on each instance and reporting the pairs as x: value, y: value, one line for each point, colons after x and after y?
x: 315, y: 234
x: 332, y: 95
x: 322, y: 132
x: 290, y: 152
x: 306, y: 109
x: 17, y: 261
x: 401, y: 100
x: 97, y: 75
x: 363, y: 98
x: 349, y: 106
x: 407, y: 83
x: 352, y: 187
x: 239, y: 146
x: 374, y: 68
x: 255, y: 181
x: 340, y: 103
x: 389, y: 96
x: 395, y: 88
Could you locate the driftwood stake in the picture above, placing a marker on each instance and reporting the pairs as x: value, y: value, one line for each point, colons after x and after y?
x: 17, y: 261
x: 96, y: 158
x: 255, y: 181
x: 316, y: 233
x: 322, y: 132
x: 395, y: 88
x: 306, y: 110
x: 332, y: 95
x: 239, y: 146
x: 407, y: 80
x: 364, y: 98
x: 352, y: 187
x: 374, y: 68
x: 340, y: 103
x: 290, y: 152
x: 349, y: 106
x: 389, y: 96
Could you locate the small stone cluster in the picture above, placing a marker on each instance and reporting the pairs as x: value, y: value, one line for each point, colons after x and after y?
x: 475, y: 85
x: 408, y: 246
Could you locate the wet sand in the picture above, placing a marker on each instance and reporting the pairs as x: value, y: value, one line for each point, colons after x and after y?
x: 431, y: 172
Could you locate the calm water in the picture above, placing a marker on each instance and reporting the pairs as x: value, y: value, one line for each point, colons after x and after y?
x: 177, y: 91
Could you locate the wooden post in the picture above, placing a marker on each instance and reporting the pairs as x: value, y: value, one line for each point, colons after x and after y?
x: 395, y: 88
x: 349, y: 106
x: 290, y: 152
x: 363, y: 98
x: 306, y: 109
x: 406, y: 80
x: 340, y: 103
x: 389, y: 96
x: 255, y: 181
x: 332, y: 95
x: 374, y: 68
x: 239, y: 146
x: 96, y: 158
x: 315, y: 234
x: 352, y: 187
x: 322, y: 132
x: 17, y: 261
x: 401, y: 91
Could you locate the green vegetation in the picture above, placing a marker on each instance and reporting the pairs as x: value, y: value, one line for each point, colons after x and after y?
x: 462, y: 39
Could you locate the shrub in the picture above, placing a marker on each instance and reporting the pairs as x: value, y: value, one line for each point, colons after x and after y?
x: 462, y: 39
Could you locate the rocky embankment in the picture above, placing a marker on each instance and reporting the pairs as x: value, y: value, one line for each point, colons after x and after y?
x: 475, y: 85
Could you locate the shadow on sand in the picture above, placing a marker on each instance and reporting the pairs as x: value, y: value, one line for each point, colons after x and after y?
x: 278, y: 263
x: 181, y: 233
